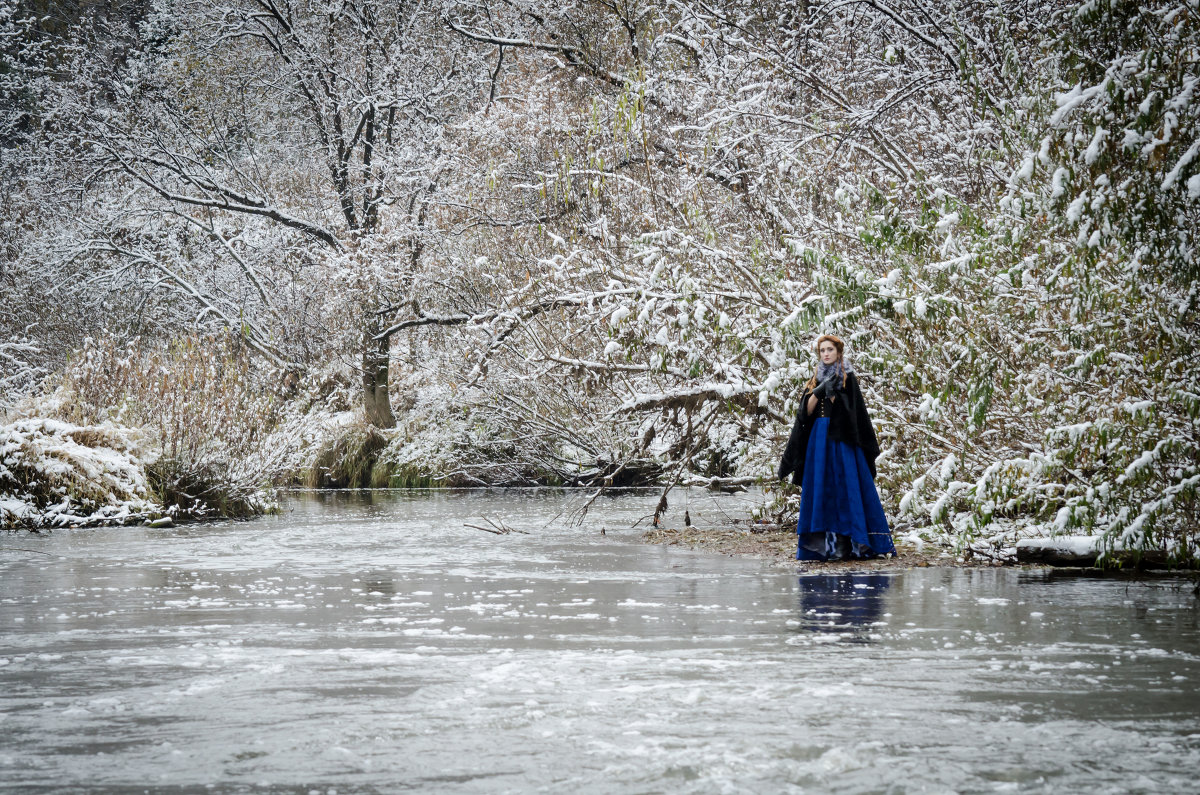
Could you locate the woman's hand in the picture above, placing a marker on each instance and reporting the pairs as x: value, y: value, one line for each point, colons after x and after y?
x: 812, y: 403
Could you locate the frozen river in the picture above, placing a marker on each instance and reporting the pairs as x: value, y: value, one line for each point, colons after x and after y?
x: 373, y: 643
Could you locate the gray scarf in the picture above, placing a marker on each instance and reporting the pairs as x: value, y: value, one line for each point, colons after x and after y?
x: 825, y: 371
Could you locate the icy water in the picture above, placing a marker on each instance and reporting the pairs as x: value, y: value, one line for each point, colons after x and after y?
x: 373, y: 643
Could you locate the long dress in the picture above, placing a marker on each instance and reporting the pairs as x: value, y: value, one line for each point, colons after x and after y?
x: 840, y: 512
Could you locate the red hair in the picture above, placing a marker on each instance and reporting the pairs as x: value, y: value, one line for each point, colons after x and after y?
x: 837, y: 343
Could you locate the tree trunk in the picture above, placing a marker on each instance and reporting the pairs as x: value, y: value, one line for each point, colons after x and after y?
x: 376, y: 404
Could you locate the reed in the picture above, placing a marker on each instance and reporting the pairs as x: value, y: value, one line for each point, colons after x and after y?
x: 201, y: 409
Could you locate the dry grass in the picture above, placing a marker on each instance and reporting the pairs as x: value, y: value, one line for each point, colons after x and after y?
x: 351, y: 460
x: 199, y: 407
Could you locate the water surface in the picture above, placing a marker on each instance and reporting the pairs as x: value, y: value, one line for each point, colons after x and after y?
x: 372, y: 642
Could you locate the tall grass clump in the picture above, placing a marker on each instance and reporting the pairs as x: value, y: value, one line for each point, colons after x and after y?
x: 351, y: 460
x: 202, y: 411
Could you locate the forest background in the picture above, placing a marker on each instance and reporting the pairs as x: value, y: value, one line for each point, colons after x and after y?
x: 252, y: 243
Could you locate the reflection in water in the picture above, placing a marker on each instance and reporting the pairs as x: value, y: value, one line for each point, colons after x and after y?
x: 379, y: 584
x: 842, y: 602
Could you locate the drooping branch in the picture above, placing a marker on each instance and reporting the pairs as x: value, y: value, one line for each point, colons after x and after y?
x: 223, y: 198
x: 208, y: 305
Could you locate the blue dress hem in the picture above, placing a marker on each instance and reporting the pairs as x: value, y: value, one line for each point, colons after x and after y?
x: 841, y: 516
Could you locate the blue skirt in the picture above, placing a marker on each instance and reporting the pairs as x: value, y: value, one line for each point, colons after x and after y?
x: 840, y: 512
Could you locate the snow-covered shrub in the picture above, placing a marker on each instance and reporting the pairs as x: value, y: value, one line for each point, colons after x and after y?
x: 451, y: 438
x: 309, y: 422
x: 18, y: 372
x: 1033, y: 349
x: 55, y: 474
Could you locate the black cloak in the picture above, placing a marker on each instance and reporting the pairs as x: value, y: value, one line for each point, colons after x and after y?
x: 848, y: 422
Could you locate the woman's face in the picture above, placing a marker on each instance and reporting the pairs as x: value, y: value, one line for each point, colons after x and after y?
x: 827, y: 352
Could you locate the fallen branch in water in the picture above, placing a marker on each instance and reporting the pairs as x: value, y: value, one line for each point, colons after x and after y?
x: 24, y: 549
x: 579, y: 515
x: 500, y: 529
x: 1000, y: 556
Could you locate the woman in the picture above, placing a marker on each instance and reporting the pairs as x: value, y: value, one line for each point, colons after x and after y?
x: 831, y: 456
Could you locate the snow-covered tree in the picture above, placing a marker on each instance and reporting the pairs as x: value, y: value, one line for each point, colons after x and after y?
x: 591, y: 242
x: 268, y: 165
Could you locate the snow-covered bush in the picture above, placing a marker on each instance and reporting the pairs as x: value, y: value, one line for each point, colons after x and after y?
x: 18, y: 372
x: 55, y: 474
x: 1034, y: 347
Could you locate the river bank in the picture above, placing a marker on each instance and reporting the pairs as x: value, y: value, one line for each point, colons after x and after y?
x: 778, y: 546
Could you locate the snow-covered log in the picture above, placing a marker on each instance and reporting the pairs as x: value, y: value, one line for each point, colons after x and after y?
x: 1084, y: 551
